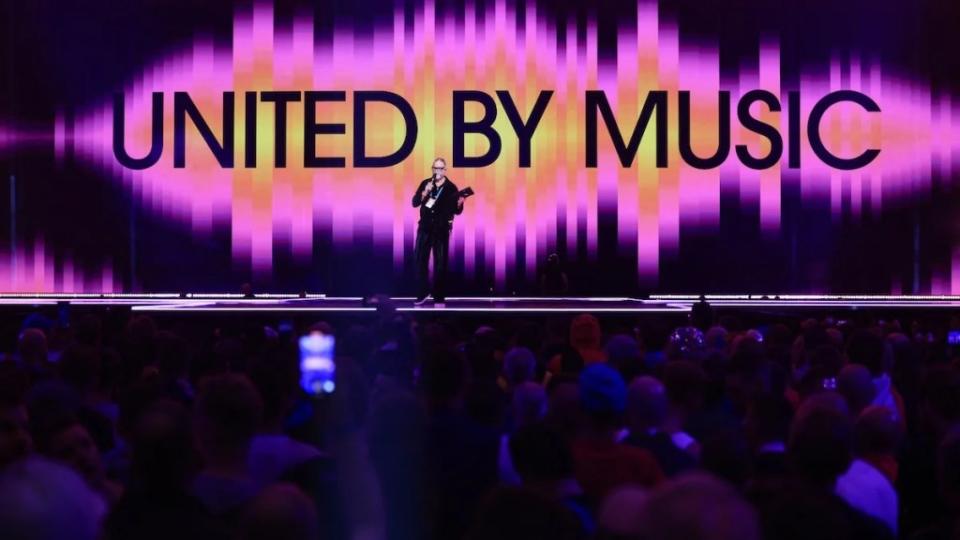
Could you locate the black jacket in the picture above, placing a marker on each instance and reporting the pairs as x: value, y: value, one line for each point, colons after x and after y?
x: 442, y: 212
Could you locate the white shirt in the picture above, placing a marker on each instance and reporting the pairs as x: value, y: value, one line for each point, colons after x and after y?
x: 868, y: 490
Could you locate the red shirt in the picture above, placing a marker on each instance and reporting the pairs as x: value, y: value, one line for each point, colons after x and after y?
x: 604, y: 465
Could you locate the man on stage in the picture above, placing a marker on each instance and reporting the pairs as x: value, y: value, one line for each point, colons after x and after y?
x: 439, y: 201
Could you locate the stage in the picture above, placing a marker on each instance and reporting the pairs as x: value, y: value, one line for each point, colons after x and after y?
x: 170, y: 303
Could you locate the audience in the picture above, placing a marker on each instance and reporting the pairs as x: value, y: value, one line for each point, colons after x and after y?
x: 119, y: 426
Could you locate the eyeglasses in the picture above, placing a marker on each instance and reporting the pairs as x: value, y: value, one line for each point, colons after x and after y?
x: 439, y: 168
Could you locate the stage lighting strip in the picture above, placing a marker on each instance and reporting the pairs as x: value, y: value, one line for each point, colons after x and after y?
x: 790, y: 297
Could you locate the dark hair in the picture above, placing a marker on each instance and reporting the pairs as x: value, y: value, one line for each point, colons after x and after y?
x: 867, y: 348
x: 442, y: 376
x: 540, y: 453
x: 232, y: 408
x: 821, y: 444
x: 522, y: 514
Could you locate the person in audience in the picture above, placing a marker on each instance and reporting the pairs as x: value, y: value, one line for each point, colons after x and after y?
x: 273, y: 452
x: 516, y: 513
x: 157, y: 502
x: 855, y: 383
x: 697, y: 507
x: 44, y: 500
x: 601, y: 462
x: 647, y: 407
x: 619, y: 516
x: 227, y: 414
x: 820, y: 450
x: 519, y: 366
x: 866, y: 485
x: 767, y: 429
x: 867, y: 348
x: 281, y: 512
x: 684, y: 382
x: 66, y: 440
x: 585, y: 337
x: 544, y: 464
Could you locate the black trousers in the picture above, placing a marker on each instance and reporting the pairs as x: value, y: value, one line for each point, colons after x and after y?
x: 435, y: 239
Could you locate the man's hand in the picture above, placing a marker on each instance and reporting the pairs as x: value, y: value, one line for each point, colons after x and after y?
x: 460, y: 202
x: 426, y: 191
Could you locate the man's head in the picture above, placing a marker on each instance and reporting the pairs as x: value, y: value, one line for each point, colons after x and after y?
x: 281, y: 512
x: 821, y: 440
x: 529, y: 403
x: 646, y: 404
x: 855, y: 383
x: 603, y: 394
x: 64, y: 439
x: 697, y: 506
x: 519, y: 366
x: 877, y: 432
x: 869, y: 349
x: 32, y: 346
x: 541, y: 455
x: 228, y: 412
x: 439, y: 168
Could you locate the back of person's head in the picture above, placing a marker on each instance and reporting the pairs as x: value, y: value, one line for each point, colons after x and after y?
x: 768, y: 419
x: 698, y: 506
x: 820, y: 447
x: 80, y: 367
x: 646, y: 404
x: 281, y: 512
x: 563, y: 404
x: 276, y: 388
x: 869, y: 349
x: 717, y: 338
x: 63, y: 438
x: 529, y: 403
x: 726, y: 453
x: 43, y: 500
x: 855, y: 384
x: 227, y: 414
x: 524, y: 514
x: 620, y: 514
x: 623, y: 353
x: 603, y: 394
x: 540, y: 454
x: 32, y: 346
x: 519, y: 366
x: 877, y: 432
x: 163, y: 457
x: 585, y: 332
x: 442, y: 377
x: 685, y: 383
x: 794, y: 510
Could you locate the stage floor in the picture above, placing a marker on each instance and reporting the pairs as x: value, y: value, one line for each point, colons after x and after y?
x: 674, y: 304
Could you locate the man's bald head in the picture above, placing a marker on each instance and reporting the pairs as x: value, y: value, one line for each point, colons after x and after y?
x: 646, y: 403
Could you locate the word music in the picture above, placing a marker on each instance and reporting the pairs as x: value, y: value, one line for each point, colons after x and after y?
x: 597, y: 108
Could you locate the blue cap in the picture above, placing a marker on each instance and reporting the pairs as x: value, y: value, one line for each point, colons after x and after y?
x: 602, y: 389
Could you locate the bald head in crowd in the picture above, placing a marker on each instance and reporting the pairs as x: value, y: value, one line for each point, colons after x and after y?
x: 855, y: 383
x: 697, y: 507
x: 281, y: 512
x: 646, y: 404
